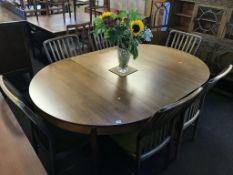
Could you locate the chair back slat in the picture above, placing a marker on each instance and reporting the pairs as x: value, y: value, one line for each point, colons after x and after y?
x: 177, y: 41
x: 181, y: 42
x: 56, y: 50
x: 98, y: 42
x: 62, y: 47
x: 186, y: 42
x: 194, y: 110
x: 163, y: 126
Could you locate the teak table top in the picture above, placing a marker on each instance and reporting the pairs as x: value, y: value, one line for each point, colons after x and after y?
x: 82, y: 92
x: 55, y: 23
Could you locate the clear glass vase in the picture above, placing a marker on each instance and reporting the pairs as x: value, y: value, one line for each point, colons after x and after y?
x: 123, y: 58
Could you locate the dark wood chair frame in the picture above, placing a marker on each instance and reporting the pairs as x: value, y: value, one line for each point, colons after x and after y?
x: 167, y: 123
x: 192, y: 114
x: 38, y: 124
x: 62, y: 47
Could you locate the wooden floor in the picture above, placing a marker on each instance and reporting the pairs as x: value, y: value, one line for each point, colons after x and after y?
x: 17, y: 154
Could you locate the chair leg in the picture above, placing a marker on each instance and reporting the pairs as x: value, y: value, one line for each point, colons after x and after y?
x: 194, y: 134
x: 168, y: 155
x: 138, y: 166
x: 178, y: 142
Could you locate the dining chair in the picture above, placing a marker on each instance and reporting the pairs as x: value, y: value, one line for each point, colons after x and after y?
x: 62, y: 47
x: 79, y: 3
x: 186, y: 42
x: 97, y: 8
x: 36, y: 8
x: 98, y: 42
x: 59, y: 6
x: 158, y: 133
x: 81, y: 30
x: 46, y: 139
x: 192, y: 114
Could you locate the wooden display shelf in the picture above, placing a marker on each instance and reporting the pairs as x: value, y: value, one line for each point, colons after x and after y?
x: 180, y: 27
x: 183, y: 15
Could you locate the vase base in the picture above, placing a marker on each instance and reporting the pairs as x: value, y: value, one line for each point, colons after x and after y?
x: 130, y: 70
x: 123, y: 70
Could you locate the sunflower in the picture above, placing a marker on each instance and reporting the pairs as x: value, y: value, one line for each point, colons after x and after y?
x: 106, y: 14
x: 136, y: 27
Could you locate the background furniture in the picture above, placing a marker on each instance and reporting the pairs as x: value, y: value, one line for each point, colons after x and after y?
x: 62, y: 47
x: 15, y: 56
x: 181, y: 16
x: 55, y: 25
x: 82, y: 31
x: 186, y: 42
x: 96, y: 8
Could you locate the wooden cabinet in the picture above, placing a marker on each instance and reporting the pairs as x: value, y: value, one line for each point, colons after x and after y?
x: 14, y: 48
x: 181, y: 16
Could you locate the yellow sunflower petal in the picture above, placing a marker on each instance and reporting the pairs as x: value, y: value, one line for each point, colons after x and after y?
x: 106, y: 14
x: 136, y: 27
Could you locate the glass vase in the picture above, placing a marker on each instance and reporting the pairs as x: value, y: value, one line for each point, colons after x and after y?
x: 123, y: 58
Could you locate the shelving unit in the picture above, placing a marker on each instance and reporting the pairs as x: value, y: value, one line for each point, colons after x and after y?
x: 182, y: 14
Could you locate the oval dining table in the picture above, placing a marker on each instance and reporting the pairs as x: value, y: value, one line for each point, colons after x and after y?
x: 80, y: 94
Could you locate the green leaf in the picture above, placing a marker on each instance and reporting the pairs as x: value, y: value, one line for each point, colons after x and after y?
x: 134, y: 52
x: 123, y: 13
x: 133, y: 14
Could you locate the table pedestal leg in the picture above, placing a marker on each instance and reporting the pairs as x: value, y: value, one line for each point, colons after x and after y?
x: 95, y: 152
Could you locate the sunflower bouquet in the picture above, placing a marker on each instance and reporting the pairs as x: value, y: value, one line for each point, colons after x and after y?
x: 124, y: 29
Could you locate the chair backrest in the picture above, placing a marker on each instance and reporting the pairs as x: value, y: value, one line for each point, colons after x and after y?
x: 58, y: 6
x: 186, y: 42
x: 81, y: 30
x: 195, y: 108
x: 98, y: 42
x: 212, y: 82
x: 41, y: 125
x: 62, y: 47
x: 166, y: 124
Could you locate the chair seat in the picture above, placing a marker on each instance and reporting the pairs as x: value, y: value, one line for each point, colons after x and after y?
x: 126, y: 141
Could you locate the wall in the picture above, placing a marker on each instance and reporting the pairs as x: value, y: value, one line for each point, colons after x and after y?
x: 130, y: 4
